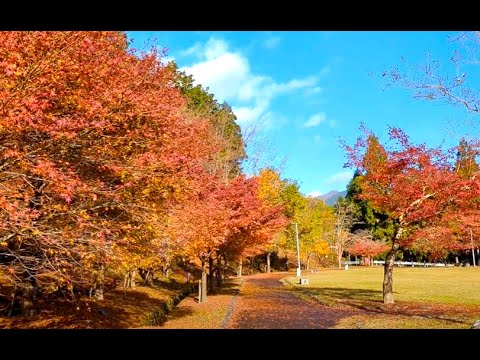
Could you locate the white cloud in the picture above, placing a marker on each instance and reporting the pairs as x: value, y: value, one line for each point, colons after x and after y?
x: 314, y: 90
x: 314, y: 194
x: 228, y: 75
x: 192, y: 50
x: 248, y: 90
x: 340, y: 178
x: 315, y: 120
x: 293, y: 84
x: 247, y: 114
x: 270, y: 120
x: 325, y: 71
x: 272, y: 42
x: 223, y: 75
x: 167, y: 59
x: 215, y: 48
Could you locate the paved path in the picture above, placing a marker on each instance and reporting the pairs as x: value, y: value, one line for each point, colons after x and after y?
x: 264, y: 303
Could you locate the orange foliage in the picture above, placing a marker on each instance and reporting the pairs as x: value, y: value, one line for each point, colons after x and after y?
x: 93, y: 143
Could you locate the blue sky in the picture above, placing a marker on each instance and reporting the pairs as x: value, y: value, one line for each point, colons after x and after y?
x: 303, y: 91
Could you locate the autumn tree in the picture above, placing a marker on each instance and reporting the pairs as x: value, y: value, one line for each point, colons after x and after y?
x: 368, y: 223
x: 466, y: 165
x: 363, y: 245
x: 316, y: 227
x: 294, y: 204
x: 224, y: 222
x: 259, y: 230
x: 468, y: 168
x: 414, y: 186
x: 446, y: 81
x: 365, y: 215
x: 270, y: 187
x: 344, y: 219
x: 94, y: 148
x: 198, y: 225
x: 227, y: 161
x: 458, y: 232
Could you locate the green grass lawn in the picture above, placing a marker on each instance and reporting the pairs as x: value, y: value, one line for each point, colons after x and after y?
x: 424, y: 297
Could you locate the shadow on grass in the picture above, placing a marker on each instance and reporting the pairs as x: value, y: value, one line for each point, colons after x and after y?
x: 227, y: 288
x: 362, y: 299
x: 178, y: 313
x: 120, y: 309
x: 369, y: 301
x: 170, y: 284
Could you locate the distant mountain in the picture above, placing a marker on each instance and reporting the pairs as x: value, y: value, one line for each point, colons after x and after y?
x: 331, y: 197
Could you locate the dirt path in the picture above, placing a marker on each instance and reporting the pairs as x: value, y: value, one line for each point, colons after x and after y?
x: 264, y: 303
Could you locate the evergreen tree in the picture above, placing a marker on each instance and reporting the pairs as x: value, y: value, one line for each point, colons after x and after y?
x: 466, y: 164
x: 366, y: 217
x: 204, y: 104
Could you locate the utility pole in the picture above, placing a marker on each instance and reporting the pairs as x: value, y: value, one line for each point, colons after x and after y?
x: 299, y: 269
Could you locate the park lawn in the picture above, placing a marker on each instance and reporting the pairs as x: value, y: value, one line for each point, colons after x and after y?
x: 426, y: 298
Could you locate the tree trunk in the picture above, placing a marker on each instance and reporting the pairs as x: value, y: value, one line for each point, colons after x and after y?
x: 166, y: 270
x: 129, y: 279
x: 210, y: 273
x: 13, y: 296
x: 225, y: 267
x: 388, y: 269
x: 307, y: 264
x: 239, y: 269
x: 204, y: 283
x: 147, y: 276
x: 100, y: 283
x: 133, y: 275
x: 218, y: 270
x: 26, y: 305
x: 268, y: 261
x: 200, y: 291
x: 339, y: 257
x: 219, y: 273
x: 98, y: 294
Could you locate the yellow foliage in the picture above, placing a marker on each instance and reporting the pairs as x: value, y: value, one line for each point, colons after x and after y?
x: 270, y: 186
x: 321, y: 248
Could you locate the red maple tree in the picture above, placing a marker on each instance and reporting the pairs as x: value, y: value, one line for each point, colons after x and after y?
x: 95, y: 147
x: 412, y: 184
x: 363, y: 245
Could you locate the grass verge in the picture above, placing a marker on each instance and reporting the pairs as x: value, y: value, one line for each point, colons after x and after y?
x: 425, y: 298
